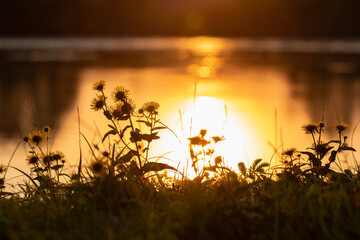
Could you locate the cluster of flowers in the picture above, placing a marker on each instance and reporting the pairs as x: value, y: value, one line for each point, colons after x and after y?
x: 39, y: 159
x: 122, y: 109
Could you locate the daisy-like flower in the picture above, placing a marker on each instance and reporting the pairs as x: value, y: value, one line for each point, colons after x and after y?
x: 340, y: 127
x: 47, y: 159
x: 36, y: 137
x: 128, y: 107
x: 150, y: 107
x: 97, y: 167
x: 32, y: 159
x: 289, y: 152
x: 57, y: 155
x: 116, y: 111
x: 99, y: 85
x: 310, y: 128
x: 98, y: 103
x: 2, y: 168
x: 120, y: 94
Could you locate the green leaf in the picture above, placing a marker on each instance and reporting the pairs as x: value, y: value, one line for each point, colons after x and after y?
x: 154, y: 166
x: 112, y: 132
x: 146, y: 122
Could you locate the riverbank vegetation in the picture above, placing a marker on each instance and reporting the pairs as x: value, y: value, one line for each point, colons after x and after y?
x: 124, y: 193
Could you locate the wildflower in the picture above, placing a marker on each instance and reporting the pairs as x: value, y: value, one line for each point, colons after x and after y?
x: 310, y: 128
x: 47, y: 159
x: 340, y: 127
x: 120, y: 94
x: 32, y: 159
x: 150, y: 107
x: 57, y: 155
x: 2, y: 168
x: 46, y: 129
x: 116, y: 112
x: 289, y: 152
x: 128, y: 107
x: 98, y: 103
x: 26, y: 139
x: 36, y: 137
x: 141, y: 111
x: 97, y: 167
x: 99, y: 86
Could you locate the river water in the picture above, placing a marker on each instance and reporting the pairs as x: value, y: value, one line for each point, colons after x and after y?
x: 257, y: 93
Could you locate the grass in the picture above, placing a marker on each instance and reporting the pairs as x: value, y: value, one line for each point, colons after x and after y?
x: 125, y: 194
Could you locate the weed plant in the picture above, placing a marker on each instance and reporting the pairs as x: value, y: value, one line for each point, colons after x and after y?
x: 123, y: 193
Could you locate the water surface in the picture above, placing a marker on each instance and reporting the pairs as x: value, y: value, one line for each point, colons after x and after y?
x: 254, y: 92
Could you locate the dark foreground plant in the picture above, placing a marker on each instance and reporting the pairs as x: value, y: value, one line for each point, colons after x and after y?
x: 116, y: 197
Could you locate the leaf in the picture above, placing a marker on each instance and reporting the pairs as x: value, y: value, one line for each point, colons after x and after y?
x: 255, y: 163
x: 345, y: 148
x: 332, y: 156
x: 57, y: 167
x: 316, y: 162
x: 242, y: 168
x: 154, y: 166
x: 127, y: 157
x: 159, y: 128
x: 124, y: 130
x: 111, y: 126
x: 261, y: 166
x: 113, y: 132
x: 146, y: 122
x: 150, y: 137
x: 333, y: 141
